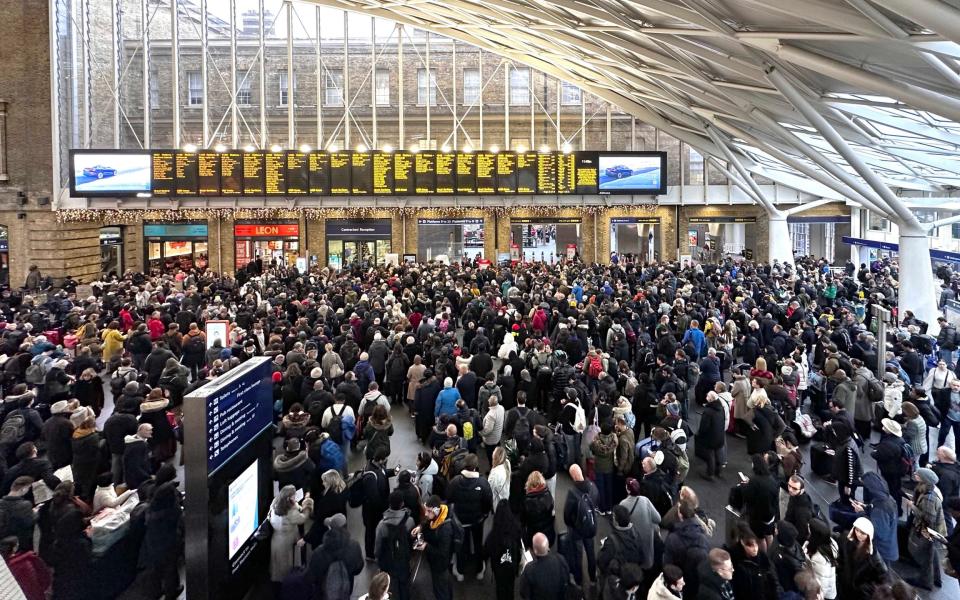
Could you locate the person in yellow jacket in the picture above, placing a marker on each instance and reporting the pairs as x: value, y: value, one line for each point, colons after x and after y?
x: 112, y: 341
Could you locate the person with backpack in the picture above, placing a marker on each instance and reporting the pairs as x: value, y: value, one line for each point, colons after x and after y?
x: 504, y: 548
x: 472, y: 500
x: 334, y: 565
x: 579, y: 516
x: 22, y: 424
x: 894, y: 458
x: 439, y: 537
x: 375, y: 494
x: 622, y: 547
x: 394, y: 545
x: 947, y: 401
x: 377, y: 431
x: 916, y: 434
x: 604, y: 449
x: 194, y: 350
x: 340, y: 422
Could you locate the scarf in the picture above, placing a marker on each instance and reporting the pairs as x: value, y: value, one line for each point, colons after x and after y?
x: 436, y: 523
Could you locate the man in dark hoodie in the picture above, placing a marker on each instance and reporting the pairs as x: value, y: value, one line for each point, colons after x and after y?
x: 156, y: 361
x: 133, y: 396
x: 800, y: 509
x: 472, y: 501
x: 581, y: 497
x: 117, y: 427
x: 337, y: 547
x: 687, y: 545
x: 56, y: 433
x: 394, y: 546
x: 619, y: 549
x: 28, y: 464
x: 16, y: 513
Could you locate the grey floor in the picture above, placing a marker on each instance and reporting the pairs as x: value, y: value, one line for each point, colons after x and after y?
x: 713, y: 497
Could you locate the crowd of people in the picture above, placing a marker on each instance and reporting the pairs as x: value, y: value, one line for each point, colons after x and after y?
x: 635, y: 383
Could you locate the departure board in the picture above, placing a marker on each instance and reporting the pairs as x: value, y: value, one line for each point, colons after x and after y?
x: 587, y: 174
x: 162, y: 177
x: 361, y: 173
x: 319, y: 167
x: 403, y: 172
x: 506, y: 173
x: 186, y: 167
x: 382, y: 173
x: 527, y: 172
x: 446, y: 163
x: 297, y: 175
x: 486, y: 171
x: 208, y: 173
x: 547, y: 173
x: 566, y: 173
x: 253, y: 173
x: 466, y: 173
x: 425, y: 173
x: 275, y: 173
x: 339, y: 173
x: 231, y: 174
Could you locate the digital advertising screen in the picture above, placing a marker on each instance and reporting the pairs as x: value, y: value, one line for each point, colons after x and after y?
x: 243, y: 508
x: 111, y: 173
x: 231, y: 174
x: 297, y: 177
x: 403, y: 172
x: 632, y: 173
x: 253, y: 173
x: 586, y: 173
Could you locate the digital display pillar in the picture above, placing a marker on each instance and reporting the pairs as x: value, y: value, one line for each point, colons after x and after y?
x: 229, y: 481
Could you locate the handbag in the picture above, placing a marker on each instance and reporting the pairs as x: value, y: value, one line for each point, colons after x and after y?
x: 265, y: 531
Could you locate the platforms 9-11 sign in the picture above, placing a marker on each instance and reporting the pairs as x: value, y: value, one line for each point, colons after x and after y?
x: 175, y: 173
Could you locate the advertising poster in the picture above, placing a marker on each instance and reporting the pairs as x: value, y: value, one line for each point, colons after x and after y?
x: 112, y: 172
x: 244, y: 508
x: 692, y: 237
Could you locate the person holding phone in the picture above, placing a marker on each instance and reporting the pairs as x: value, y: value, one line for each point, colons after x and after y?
x: 927, y: 509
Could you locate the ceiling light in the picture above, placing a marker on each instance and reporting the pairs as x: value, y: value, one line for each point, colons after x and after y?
x: 276, y: 148
x: 566, y: 148
x: 468, y: 149
x: 445, y: 148
x: 361, y: 148
x: 220, y: 148
x: 494, y: 149
x: 189, y: 147
x: 305, y: 148
x: 388, y: 148
x: 521, y: 149
x: 249, y: 148
x: 545, y: 149
x: 332, y: 148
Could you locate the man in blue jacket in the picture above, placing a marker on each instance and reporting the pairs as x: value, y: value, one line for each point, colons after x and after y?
x: 695, y: 336
x: 446, y: 400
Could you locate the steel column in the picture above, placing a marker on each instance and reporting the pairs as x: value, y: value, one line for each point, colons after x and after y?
x: 402, y: 142
x: 174, y: 71
x: 456, y: 126
x: 345, y: 88
x: 609, y: 128
x: 145, y: 53
x: 234, y: 116
x: 583, y: 121
x: 480, y: 95
x: 373, y: 79
x: 291, y: 87
x: 203, y: 73
x: 320, y: 80
x: 559, y: 135
x: 429, y: 95
x: 264, y: 139
x: 87, y: 95
x: 533, y: 115
x: 506, y: 106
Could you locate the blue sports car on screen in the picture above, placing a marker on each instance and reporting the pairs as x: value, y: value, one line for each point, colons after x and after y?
x: 99, y: 171
x: 619, y: 171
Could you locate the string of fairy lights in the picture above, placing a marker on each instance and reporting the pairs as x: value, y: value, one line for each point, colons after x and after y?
x: 129, y: 216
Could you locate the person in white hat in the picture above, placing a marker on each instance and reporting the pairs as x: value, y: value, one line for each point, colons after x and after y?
x: 860, y: 567
x: 894, y: 457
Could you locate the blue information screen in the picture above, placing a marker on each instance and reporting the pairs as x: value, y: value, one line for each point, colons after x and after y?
x: 239, y: 408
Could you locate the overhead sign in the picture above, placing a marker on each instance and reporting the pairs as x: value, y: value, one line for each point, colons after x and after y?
x: 369, y: 228
x: 465, y: 221
x: 267, y: 230
x: 635, y: 220
x: 888, y: 246
x: 175, y: 231
x: 723, y: 219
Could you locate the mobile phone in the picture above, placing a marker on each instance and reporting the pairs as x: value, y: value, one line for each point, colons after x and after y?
x: 298, y: 495
x: 936, y: 535
x: 742, y: 476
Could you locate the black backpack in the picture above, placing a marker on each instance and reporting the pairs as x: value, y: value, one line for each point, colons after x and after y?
x: 586, y: 524
x: 194, y: 344
x: 335, y: 426
x: 396, y: 549
x: 521, y: 430
x: 14, y: 429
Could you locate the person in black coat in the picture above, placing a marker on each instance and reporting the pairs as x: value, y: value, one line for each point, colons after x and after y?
x: 711, y: 435
x: 409, y: 492
x: 136, y: 457
x: 156, y: 362
x: 888, y: 453
x: 56, y: 434
x: 330, y: 495
x: 424, y: 404
x: 467, y: 386
x: 87, y: 455
x: 537, y: 509
x: 28, y: 464
x: 508, y: 388
x: 547, y: 576
x: 376, y: 492
x: 760, y: 498
x: 71, y: 556
x: 503, y: 548
x: 117, y: 427
x: 481, y: 364
x: 762, y: 434
x: 293, y: 466
x: 162, y: 543
x: 472, y: 501
x: 753, y: 572
x: 163, y: 443
x: 337, y: 546
x: 437, y: 532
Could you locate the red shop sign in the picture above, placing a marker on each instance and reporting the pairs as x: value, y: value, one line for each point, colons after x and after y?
x: 268, y: 230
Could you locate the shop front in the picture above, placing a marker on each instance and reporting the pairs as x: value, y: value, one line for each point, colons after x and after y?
x: 450, y: 240
x: 175, y: 246
x: 358, y: 241
x: 712, y: 238
x: 271, y: 243
x: 635, y: 238
x: 546, y: 239
x: 111, y: 251
x: 817, y: 236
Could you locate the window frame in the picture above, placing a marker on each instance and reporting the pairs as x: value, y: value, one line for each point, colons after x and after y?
x: 516, y: 89
x: 190, y: 88
x: 423, y: 87
x: 564, y: 89
x: 378, y: 99
x: 333, y: 83
x: 473, y: 71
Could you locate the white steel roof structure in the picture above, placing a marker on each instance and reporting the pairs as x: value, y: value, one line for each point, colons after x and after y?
x: 860, y: 96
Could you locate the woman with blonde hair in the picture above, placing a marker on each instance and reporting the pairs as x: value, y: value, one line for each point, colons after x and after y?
x: 329, y: 493
x: 286, y: 517
x: 767, y: 424
x: 537, y: 513
x: 760, y: 372
x: 379, y: 584
x: 499, y: 477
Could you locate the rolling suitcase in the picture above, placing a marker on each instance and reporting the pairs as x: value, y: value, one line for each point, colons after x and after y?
x: 843, y: 515
x: 821, y: 460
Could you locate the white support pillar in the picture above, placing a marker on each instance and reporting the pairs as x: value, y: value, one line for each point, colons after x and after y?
x: 402, y: 142
x: 320, y: 81
x: 373, y: 79
x: 456, y: 78
x: 264, y: 137
x: 205, y: 109
x: 346, y: 80
x: 87, y: 93
x: 916, y: 274
x: 145, y: 53
x: 291, y: 87
x: 430, y: 93
x: 557, y: 124
x: 506, y: 106
x: 115, y: 64
x: 234, y: 112
x: 480, y: 95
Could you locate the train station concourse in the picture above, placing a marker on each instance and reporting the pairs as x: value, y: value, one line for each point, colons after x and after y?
x: 715, y: 200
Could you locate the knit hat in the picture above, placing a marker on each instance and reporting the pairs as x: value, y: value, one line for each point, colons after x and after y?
x: 277, y: 377
x: 787, y: 370
x: 61, y: 406
x: 927, y: 476
x: 890, y: 377
x: 892, y: 427
x: 864, y: 525
x: 447, y: 382
x: 292, y: 445
x: 336, y: 521
x: 673, y: 409
x: 786, y: 533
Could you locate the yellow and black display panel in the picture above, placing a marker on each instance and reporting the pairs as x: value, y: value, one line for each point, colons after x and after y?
x: 403, y: 163
x: 506, y: 173
x: 345, y: 173
x: 208, y: 173
x: 186, y: 173
x: 319, y: 168
x: 425, y: 173
x: 231, y: 174
x: 162, y: 179
x: 527, y: 172
x: 382, y: 173
x: 361, y: 173
x: 466, y: 173
x: 275, y: 173
x: 298, y: 178
x: 340, y: 173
